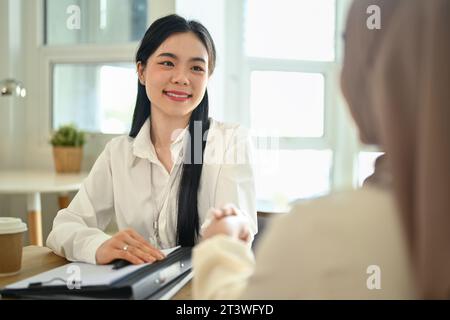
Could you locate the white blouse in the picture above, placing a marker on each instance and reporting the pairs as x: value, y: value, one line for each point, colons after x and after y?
x: 129, y: 182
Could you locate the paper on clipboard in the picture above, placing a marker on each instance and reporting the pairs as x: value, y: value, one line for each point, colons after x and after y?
x: 80, y: 274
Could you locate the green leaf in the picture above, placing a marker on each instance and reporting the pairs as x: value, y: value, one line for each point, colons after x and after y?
x: 68, y: 136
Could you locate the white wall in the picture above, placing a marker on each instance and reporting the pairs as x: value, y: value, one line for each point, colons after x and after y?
x: 12, y: 109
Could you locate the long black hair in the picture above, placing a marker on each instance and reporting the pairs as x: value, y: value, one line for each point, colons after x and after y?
x: 188, y: 219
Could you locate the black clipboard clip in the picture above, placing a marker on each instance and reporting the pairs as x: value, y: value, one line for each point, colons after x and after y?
x: 43, y: 283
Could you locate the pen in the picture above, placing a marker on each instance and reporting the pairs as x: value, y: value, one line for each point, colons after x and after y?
x: 120, y: 263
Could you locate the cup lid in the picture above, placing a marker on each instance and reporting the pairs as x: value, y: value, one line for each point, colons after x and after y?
x: 11, y: 225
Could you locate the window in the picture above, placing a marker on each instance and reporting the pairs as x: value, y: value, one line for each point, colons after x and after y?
x: 286, y: 175
x: 292, y: 28
x: 89, y: 48
x: 290, y: 64
x: 275, y: 94
x: 97, y: 97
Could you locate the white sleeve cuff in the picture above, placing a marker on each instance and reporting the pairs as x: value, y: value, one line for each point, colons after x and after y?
x: 91, y: 248
x: 222, y: 266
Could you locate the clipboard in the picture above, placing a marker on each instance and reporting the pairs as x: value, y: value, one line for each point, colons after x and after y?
x: 150, y: 281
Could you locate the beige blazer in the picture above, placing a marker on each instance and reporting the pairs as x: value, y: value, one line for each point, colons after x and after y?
x: 349, y: 245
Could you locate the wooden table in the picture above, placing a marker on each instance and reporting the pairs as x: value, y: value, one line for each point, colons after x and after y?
x: 36, y: 259
x: 32, y: 184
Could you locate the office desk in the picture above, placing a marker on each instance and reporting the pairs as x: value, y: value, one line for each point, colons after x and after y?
x: 37, y: 259
x: 32, y: 184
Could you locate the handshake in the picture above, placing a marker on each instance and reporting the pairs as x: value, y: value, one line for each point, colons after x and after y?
x: 228, y: 221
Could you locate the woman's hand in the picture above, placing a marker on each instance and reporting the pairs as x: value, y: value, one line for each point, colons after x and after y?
x: 128, y: 245
x: 228, y: 221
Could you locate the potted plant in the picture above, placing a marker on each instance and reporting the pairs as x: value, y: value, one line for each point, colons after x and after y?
x: 67, y: 144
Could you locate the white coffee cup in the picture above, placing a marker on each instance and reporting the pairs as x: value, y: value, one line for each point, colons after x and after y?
x: 11, y: 244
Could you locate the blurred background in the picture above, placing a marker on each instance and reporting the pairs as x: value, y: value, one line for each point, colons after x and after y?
x: 277, y: 73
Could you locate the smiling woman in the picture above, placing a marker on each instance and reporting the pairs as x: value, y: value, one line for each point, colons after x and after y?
x: 176, y: 75
x: 161, y: 186
x: 175, y: 83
